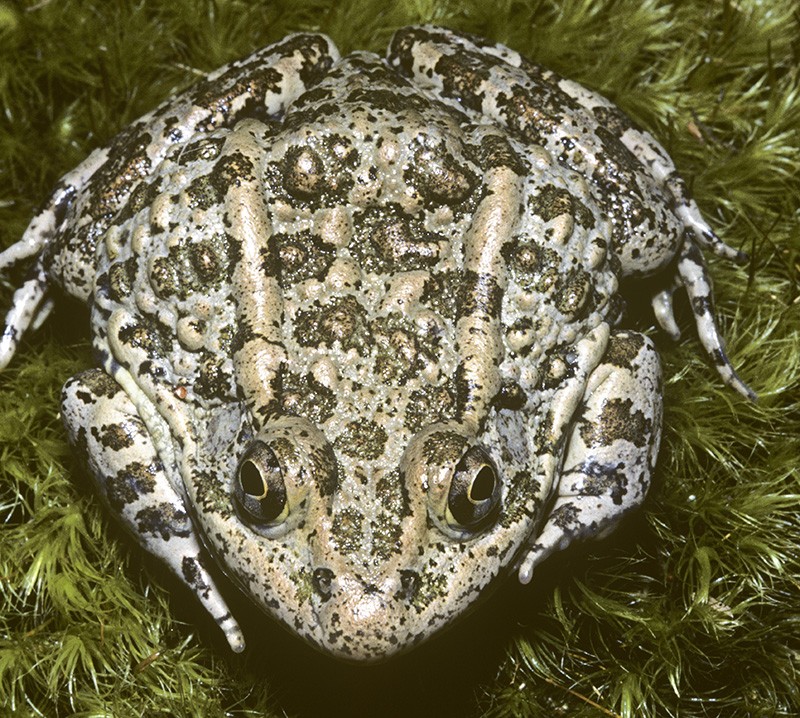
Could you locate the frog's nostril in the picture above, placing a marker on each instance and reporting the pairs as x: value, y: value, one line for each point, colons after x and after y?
x: 322, y: 580
x: 409, y: 583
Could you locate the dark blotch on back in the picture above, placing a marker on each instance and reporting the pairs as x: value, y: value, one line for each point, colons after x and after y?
x: 363, y: 439
x: 341, y: 320
x: 322, y: 173
x: 388, y: 240
x: 296, y: 257
x: 304, y: 396
x: 495, y: 151
x: 552, y: 202
x: 440, y: 178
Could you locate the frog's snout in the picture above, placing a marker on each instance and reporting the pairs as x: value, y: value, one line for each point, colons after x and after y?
x: 362, y: 620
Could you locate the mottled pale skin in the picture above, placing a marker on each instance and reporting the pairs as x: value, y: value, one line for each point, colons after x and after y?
x: 355, y: 322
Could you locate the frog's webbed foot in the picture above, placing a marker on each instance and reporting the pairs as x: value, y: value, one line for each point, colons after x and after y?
x: 691, y: 270
x: 611, y: 451
x: 105, y: 427
x: 663, y: 309
x: 693, y: 276
x: 649, y: 152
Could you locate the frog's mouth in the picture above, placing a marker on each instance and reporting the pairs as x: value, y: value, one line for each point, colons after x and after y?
x: 368, y: 614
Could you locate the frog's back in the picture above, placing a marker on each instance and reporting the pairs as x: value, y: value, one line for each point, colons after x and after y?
x: 369, y: 193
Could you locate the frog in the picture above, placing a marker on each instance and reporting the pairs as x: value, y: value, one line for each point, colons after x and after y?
x: 358, y: 328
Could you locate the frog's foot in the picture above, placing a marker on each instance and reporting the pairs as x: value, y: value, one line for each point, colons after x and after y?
x: 691, y: 269
x: 650, y: 153
x: 106, y: 429
x: 31, y: 305
x: 692, y: 274
x: 664, y: 311
x: 689, y: 213
x: 29, y: 308
x: 611, y: 451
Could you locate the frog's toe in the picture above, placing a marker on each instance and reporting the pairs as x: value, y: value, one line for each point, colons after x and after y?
x: 611, y: 452
x: 693, y: 275
x: 106, y: 429
x: 664, y: 311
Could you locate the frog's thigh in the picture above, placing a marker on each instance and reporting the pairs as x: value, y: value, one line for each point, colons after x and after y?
x: 611, y: 451
x: 106, y: 429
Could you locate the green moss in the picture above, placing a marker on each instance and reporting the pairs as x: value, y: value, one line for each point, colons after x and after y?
x: 690, y: 610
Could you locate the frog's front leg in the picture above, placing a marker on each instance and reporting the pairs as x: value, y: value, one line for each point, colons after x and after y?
x: 106, y: 429
x: 611, y: 450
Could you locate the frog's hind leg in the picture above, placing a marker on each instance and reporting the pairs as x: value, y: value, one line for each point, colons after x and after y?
x: 691, y: 269
x: 649, y: 152
x: 689, y: 213
x: 696, y: 232
x: 105, y: 427
x: 611, y: 451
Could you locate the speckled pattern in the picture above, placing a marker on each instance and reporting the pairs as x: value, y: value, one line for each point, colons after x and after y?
x: 355, y: 322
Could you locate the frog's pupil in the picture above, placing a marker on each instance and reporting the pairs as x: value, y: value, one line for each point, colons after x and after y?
x: 483, y: 486
x: 251, y: 481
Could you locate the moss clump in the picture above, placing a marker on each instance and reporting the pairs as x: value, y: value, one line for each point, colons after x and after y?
x: 691, y: 610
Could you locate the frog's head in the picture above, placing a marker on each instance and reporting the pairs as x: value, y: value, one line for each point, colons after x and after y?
x: 366, y: 548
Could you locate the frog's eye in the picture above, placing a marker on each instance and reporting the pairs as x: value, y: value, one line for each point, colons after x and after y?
x: 474, y: 496
x: 259, y: 488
